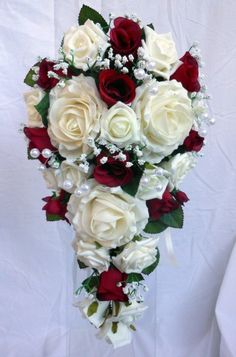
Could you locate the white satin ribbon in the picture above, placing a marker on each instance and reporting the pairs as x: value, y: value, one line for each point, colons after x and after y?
x: 169, y: 246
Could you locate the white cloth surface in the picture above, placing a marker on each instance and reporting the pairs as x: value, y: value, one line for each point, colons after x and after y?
x: 37, y: 318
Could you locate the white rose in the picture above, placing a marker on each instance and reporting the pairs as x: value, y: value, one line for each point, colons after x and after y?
x: 152, y: 185
x: 70, y: 171
x: 33, y: 98
x: 81, y: 42
x: 98, y: 317
x: 111, y: 219
x: 74, y: 115
x: 161, y: 50
x: 91, y: 256
x: 136, y: 256
x: 165, y: 118
x: 119, y: 125
x: 50, y: 178
x: 178, y: 168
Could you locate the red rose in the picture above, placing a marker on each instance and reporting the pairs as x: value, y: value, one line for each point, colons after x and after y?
x: 39, y: 139
x: 56, y: 206
x: 114, y: 172
x: 107, y: 287
x: 187, y: 73
x: 44, y: 81
x: 193, y: 142
x: 181, y: 197
x: 114, y: 87
x: 125, y: 36
x: 157, y: 207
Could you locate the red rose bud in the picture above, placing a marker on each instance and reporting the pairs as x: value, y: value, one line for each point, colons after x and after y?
x: 157, y: 207
x: 112, y: 173
x: 39, y: 139
x: 110, y: 287
x: 56, y: 206
x: 187, y: 73
x: 181, y: 197
x: 46, y: 81
x: 193, y: 142
x: 126, y: 36
x: 114, y: 87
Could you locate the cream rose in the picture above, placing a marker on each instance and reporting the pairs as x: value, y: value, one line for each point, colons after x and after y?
x: 74, y: 115
x: 33, y: 98
x: 109, y: 218
x: 161, y: 50
x: 70, y: 172
x: 152, y: 184
x: 136, y: 256
x: 92, y: 256
x: 119, y: 125
x: 178, y: 168
x: 50, y: 177
x: 165, y: 118
x: 83, y: 42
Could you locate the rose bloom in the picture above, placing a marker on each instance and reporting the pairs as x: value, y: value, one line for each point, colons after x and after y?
x: 194, y: 142
x: 33, y: 98
x: 136, y: 256
x: 81, y: 42
x: 115, y: 87
x: 125, y: 36
x: 156, y: 185
x: 70, y: 171
x: 108, y: 289
x: 114, y: 172
x: 181, y: 197
x: 178, y: 167
x: 50, y: 177
x: 187, y: 73
x: 165, y: 118
x: 119, y: 125
x: 56, y: 206
x: 158, y: 207
x: 161, y: 50
x: 74, y: 115
x: 91, y: 255
x: 111, y: 219
x: 39, y: 139
x: 47, y: 82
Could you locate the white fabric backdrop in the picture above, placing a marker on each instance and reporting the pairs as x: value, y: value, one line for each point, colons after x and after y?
x: 36, y: 260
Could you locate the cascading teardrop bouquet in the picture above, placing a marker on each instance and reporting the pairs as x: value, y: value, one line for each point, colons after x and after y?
x: 116, y: 121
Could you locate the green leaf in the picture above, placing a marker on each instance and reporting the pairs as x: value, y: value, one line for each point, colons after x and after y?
x: 92, y: 309
x: 81, y: 264
x: 90, y: 283
x: 134, y: 277
x: 116, y: 308
x: 173, y: 219
x: 151, y: 26
x: 137, y: 239
x: 87, y: 12
x: 42, y: 108
x: 155, y: 227
x: 114, y: 327
x: 132, y: 187
x: 153, y: 266
x: 98, y: 246
x: 53, y: 217
x: 132, y: 327
x: 28, y: 78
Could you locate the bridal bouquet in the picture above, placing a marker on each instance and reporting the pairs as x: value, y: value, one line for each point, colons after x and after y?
x: 116, y: 122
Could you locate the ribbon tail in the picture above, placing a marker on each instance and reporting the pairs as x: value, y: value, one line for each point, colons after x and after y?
x: 169, y: 246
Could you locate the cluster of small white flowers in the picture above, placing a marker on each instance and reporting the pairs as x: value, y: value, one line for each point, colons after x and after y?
x: 134, y: 291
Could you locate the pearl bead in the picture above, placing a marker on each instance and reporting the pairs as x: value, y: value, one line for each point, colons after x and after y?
x: 153, y: 90
x: 42, y: 167
x: 145, y: 180
x: 212, y: 121
x: 34, y: 153
x: 78, y: 192
x: 84, y: 188
x: 159, y: 188
x: 139, y: 73
x: 67, y: 184
x: 150, y: 65
x: 202, y: 132
x: 46, y: 153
